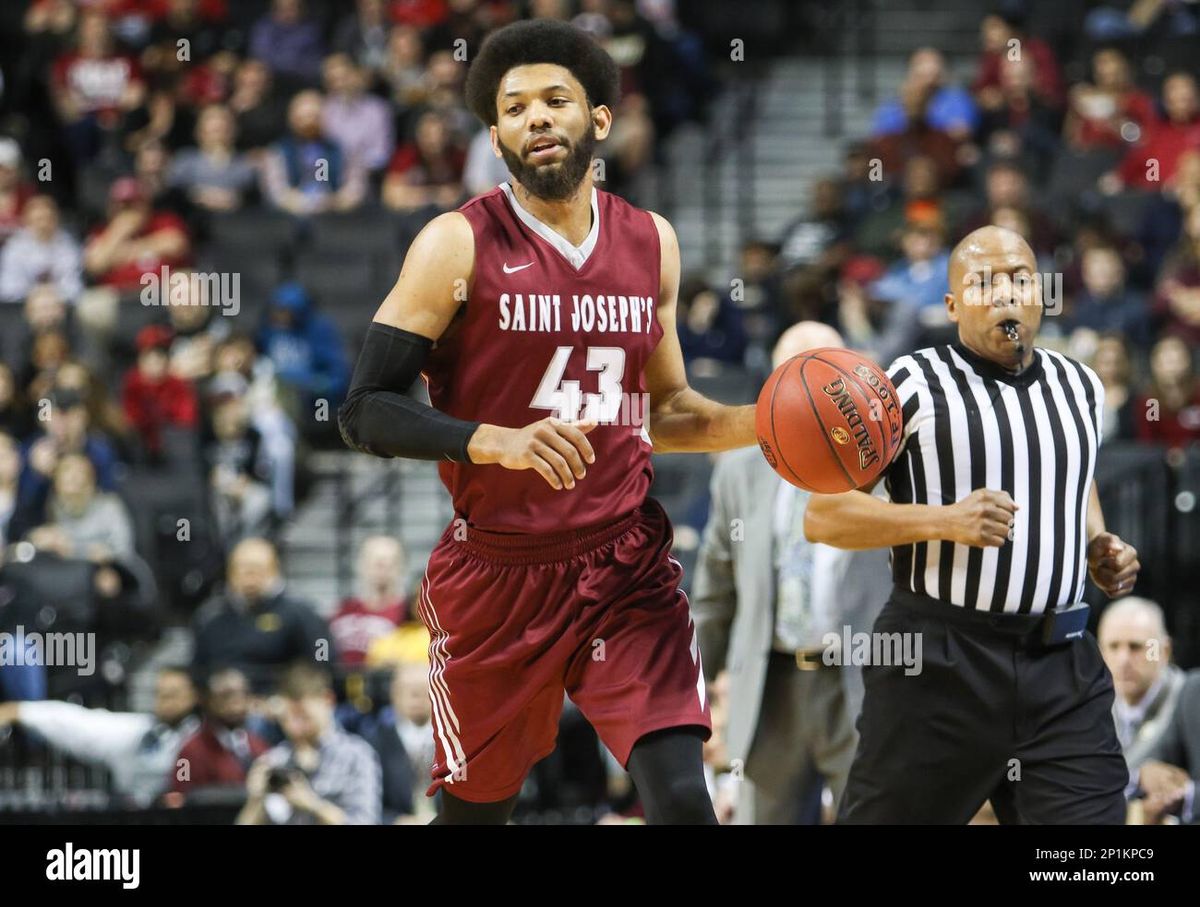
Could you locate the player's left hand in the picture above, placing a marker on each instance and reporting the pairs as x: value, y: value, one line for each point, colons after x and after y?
x: 1112, y: 564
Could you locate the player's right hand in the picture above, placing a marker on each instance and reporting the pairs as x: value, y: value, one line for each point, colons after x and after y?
x: 559, y: 451
x: 983, y: 519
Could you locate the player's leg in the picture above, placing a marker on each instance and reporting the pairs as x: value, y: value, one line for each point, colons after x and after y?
x: 454, y: 811
x: 667, y: 766
x: 499, y: 646
x: 637, y: 668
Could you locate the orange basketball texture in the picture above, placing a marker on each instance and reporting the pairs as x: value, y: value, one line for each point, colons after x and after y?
x: 829, y: 420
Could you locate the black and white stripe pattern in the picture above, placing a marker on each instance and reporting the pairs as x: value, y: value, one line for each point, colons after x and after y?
x: 970, y: 425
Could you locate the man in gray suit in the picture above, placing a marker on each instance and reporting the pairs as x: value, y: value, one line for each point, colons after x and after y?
x: 763, y: 599
x: 1135, y: 645
x: 1169, y: 775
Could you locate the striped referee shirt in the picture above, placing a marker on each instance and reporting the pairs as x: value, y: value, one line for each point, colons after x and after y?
x: 969, y: 424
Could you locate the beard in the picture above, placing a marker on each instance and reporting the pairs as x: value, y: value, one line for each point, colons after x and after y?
x: 558, y: 180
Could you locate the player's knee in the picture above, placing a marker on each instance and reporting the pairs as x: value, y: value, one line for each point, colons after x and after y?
x: 681, y: 799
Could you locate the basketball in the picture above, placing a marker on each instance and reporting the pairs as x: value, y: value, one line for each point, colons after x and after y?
x: 828, y: 420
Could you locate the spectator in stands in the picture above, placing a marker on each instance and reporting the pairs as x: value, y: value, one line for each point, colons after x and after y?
x: 259, y: 111
x: 1111, y: 362
x: 1170, y: 413
x: 40, y: 252
x: 895, y: 150
x: 15, y: 192
x: 1002, y: 36
x: 84, y: 523
x: 305, y: 172
x: 153, y: 398
x: 1155, y: 160
x: 1165, y: 213
x: 199, y: 22
x: 363, y: 35
x: 710, y: 328
x: 1105, y: 303
x: 220, y: 752
x: 238, y: 369
x: 921, y: 198
x: 912, y: 290
x: 759, y: 298
x: 198, y: 328
x: 66, y: 431
x: 951, y: 108
x: 254, y: 625
x: 238, y: 471
x: 1177, y: 302
x: 1024, y: 125
x: 1136, y: 647
x: 403, y: 739
x: 858, y: 315
x: 215, y: 176
x: 360, y: 123
x: 319, y: 775
x: 1100, y: 113
x: 135, y: 241
x: 820, y: 237
x: 288, y: 41
x: 427, y: 172
x: 380, y: 605
x: 306, y: 349
x: 482, y: 170
x: 137, y: 749
x: 862, y: 190
x: 44, y: 312
x: 1169, y: 775
x: 1007, y: 186
x: 1115, y: 21
x: 94, y: 86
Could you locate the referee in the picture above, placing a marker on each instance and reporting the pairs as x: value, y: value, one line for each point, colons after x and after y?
x: 994, y: 523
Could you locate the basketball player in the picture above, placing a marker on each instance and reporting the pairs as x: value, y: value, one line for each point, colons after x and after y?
x: 542, y: 315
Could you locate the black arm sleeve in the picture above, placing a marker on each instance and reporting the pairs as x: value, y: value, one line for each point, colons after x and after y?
x: 377, y: 416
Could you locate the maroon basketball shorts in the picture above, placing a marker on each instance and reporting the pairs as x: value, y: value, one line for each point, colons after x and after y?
x: 517, y: 620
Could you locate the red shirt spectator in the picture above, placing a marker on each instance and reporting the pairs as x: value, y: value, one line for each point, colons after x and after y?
x: 998, y: 36
x: 94, y: 78
x: 135, y: 241
x: 356, y: 625
x: 418, y: 13
x: 1167, y: 140
x: 212, y: 757
x: 1101, y: 110
x: 1170, y: 413
x: 379, y: 607
x: 152, y: 397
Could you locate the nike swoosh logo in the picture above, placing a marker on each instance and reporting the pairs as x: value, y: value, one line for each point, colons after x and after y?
x: 508, y: 270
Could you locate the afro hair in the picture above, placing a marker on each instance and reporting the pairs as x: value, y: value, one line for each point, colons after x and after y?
x: 540, y: 41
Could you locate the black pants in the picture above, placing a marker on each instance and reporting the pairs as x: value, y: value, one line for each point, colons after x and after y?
x: 990, y: 715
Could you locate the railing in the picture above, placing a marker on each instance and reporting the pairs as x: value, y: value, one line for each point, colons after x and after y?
x: 1151, y: 498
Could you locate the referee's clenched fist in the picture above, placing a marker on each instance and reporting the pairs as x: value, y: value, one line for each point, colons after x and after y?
x: 1112, y: 564
x: 983, y: 519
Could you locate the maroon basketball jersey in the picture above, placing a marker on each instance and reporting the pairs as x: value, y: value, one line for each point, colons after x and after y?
x: 551, y: 329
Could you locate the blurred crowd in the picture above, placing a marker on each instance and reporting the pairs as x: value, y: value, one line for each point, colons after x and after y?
x: 201, y: 204
x: 1100, y: 172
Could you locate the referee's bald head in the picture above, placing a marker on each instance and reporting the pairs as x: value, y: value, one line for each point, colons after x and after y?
x: 995, y: 295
